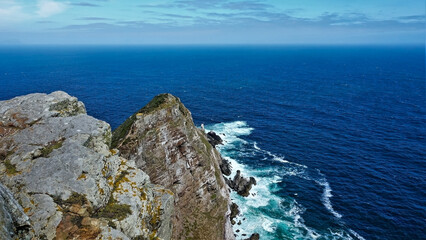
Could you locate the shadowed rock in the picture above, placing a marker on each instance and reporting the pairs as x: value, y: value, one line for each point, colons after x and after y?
x: 214, y: 139
x: 240, y: 184
x: 254, y: 236
x: 225, y: 167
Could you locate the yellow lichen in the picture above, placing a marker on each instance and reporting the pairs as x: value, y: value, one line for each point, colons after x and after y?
x: 82, y: 176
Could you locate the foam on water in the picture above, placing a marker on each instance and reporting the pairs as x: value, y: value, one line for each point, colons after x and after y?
x: 326, y: 198
x: 263, y: 211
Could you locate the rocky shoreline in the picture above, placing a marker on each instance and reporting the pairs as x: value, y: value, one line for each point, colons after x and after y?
x: 66, y: 175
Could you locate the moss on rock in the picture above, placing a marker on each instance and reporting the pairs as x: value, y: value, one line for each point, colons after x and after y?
x: 50, y: 147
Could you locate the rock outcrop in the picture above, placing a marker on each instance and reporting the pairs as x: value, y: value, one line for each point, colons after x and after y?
x: 163, y: 141
x: 240, y: 184
x: 254, y: 236
x: 62, y: 181
x: 225, y: 167
x: 214, y: 139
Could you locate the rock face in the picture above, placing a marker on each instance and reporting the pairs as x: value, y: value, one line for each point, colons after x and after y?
x: 62, y: 181
x: 225, y: 167
x: 15, y: 223
x: 240, y: 184
x: 164, y: 142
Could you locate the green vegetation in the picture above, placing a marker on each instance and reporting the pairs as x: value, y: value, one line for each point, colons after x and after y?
x: 155, y: 103
x: 114, y: 210
x: 121, y: 132
x: 10, y: 168
x: 50, y: 147
x: 75, y: 198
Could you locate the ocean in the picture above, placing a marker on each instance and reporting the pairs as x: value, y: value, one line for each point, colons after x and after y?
x: 334, y: 135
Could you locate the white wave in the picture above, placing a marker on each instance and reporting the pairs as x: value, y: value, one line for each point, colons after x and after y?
x: 262, y: 194
x: 276, y: 157
x: 268, y: 225
x: 356, y: 234
x: 326, y: 195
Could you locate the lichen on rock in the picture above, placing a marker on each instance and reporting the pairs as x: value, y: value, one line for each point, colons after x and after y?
x: 57, y: 163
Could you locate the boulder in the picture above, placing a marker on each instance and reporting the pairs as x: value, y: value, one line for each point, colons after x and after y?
x: 254, y: 236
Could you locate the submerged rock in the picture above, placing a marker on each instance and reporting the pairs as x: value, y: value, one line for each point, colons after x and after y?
x: 57, y: 163
x: 164, y: 142
x: 240, y: 184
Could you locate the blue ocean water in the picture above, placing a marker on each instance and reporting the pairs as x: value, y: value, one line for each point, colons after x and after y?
x: 335, y: 136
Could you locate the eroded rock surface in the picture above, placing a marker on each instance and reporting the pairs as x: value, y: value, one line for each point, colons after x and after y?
x: 57, y: 163
x: 164, y: 142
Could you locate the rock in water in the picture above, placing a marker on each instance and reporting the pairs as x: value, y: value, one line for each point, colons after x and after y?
x: 225, y: 167
x: 254, y: 236
x: 214, y: 139
x: 164, y: 142
x: 240, y: 184
x: 57, y: 163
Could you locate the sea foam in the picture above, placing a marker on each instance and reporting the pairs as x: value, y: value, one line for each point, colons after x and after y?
x: 264, y: 212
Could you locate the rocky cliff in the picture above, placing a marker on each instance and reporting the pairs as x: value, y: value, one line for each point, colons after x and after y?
x: 61, y: 180
x: 163, y: 141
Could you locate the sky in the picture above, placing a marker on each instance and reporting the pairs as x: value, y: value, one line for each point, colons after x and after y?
x: 129, y: 22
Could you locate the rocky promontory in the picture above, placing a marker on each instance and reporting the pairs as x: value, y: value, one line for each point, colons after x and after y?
x: 66, y: 175
x: 163, y: 141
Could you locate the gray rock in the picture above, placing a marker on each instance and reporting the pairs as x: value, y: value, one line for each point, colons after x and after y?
x: 13, y: 221
x: 57, y: 163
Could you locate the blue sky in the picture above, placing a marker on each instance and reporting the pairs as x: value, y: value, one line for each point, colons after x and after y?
x: 212, y: 21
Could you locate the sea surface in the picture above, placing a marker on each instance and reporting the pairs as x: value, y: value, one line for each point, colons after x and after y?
x: 334, y: 135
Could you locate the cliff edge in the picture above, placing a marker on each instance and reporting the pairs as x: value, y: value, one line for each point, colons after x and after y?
x: 163, y: 141
x: 61, y: 180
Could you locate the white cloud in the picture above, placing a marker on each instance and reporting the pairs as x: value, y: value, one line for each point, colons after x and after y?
x: 47, y: 8
x: 11, y: 12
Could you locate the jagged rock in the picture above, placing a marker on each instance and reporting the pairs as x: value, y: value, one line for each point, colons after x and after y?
x: 57, y: 162
x: 234, y: 212
x: 225, y: 167
x: 214, y: 139
x: 240, y: 184
x: 164, y: 142
x: 14, y: 223
x: 254, y: 236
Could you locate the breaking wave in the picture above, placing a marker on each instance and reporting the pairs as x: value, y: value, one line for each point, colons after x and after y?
x: 265, y: 212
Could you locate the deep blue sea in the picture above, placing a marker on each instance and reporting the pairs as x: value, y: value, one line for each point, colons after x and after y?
x: 334, y: 135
